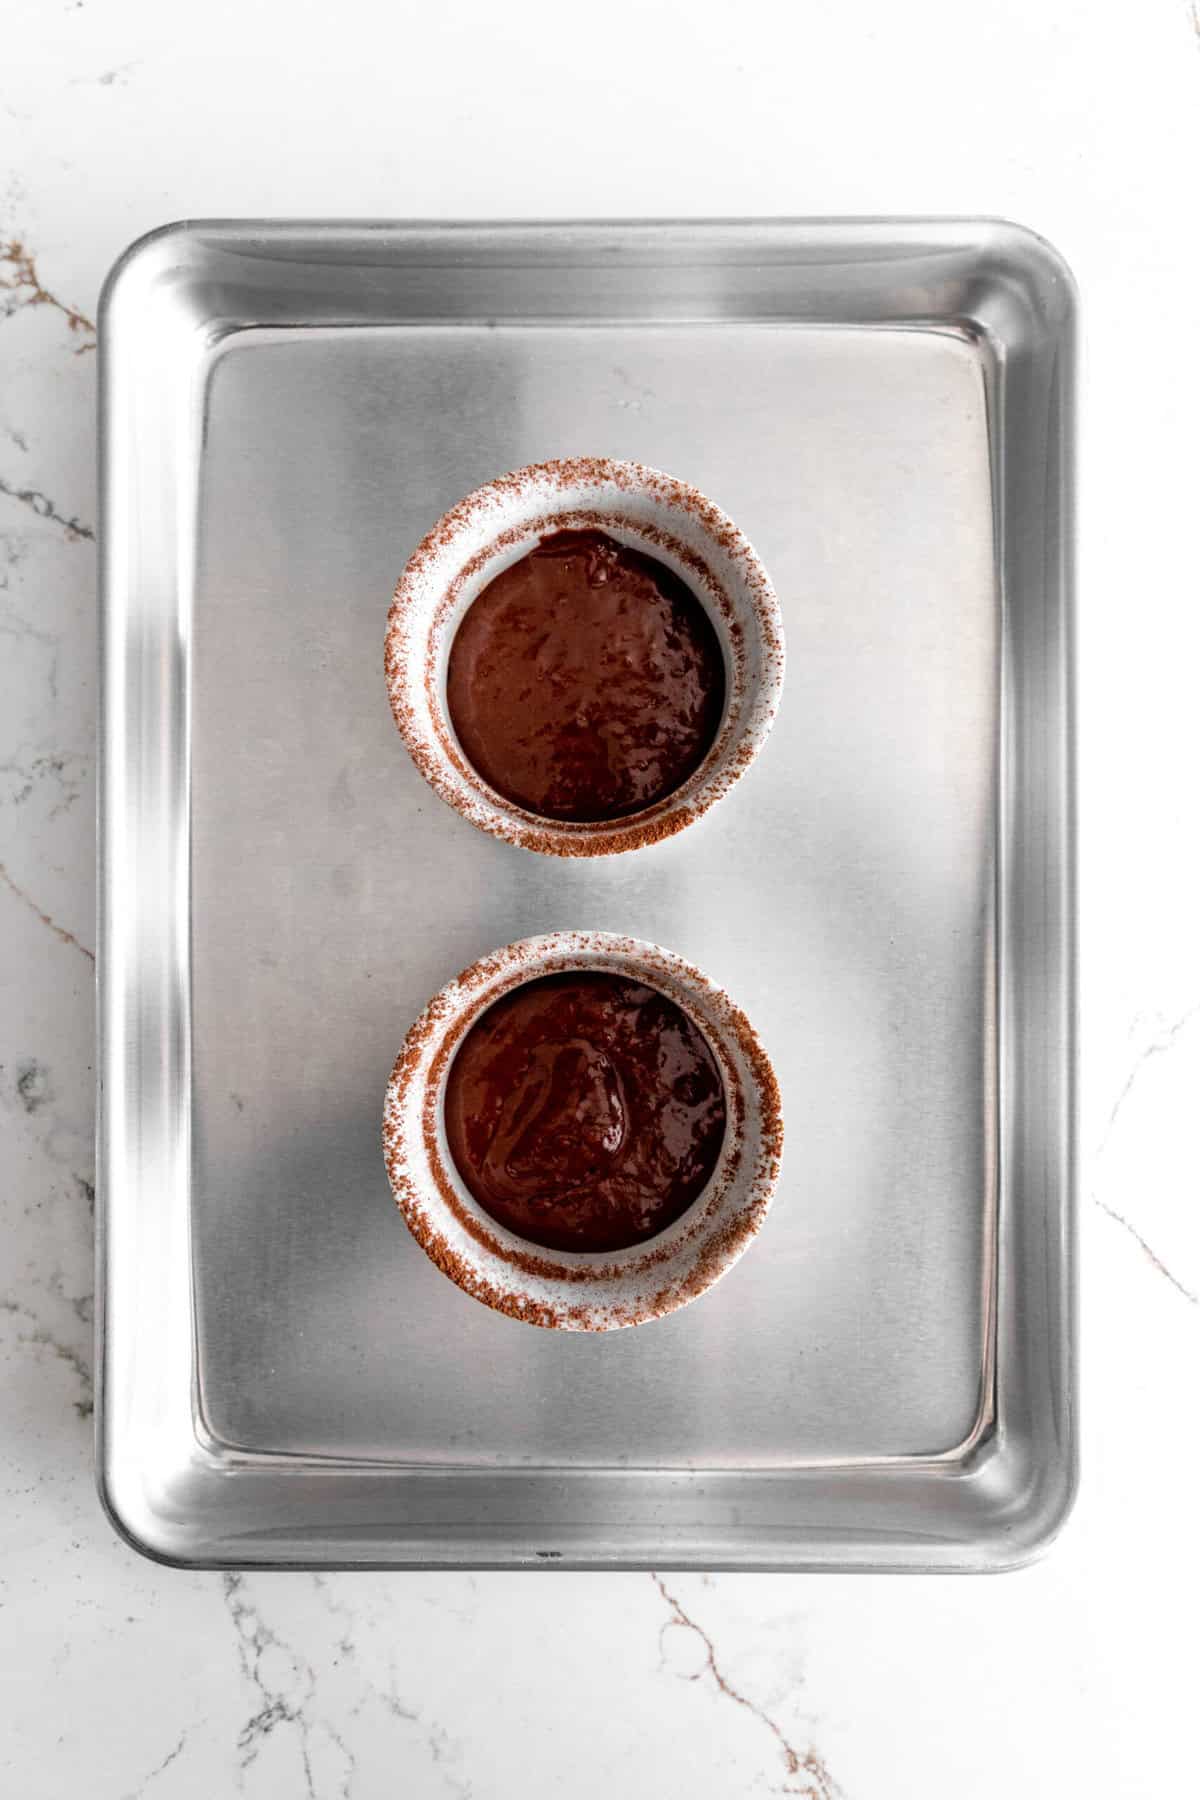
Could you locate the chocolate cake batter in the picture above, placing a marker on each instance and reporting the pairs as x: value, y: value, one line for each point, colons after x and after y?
x: 585, y: 1111
x: 586, y: 681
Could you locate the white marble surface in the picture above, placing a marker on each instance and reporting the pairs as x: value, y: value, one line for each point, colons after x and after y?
x: 1080, y: 117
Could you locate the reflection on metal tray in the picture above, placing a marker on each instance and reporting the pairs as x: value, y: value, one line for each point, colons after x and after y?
x: 887, y: 1379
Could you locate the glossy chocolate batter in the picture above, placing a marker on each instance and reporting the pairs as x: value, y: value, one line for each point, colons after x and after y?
x: 585, y: 1111
x: 586, y: 681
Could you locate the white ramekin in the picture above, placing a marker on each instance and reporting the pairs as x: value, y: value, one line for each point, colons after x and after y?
x: 568, y: 1290
x: 500, y: 523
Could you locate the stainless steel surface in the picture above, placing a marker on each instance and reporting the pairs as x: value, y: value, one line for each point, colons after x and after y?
x: 887, y: 1378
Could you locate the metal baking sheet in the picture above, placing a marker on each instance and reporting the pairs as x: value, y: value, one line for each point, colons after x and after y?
x: 887, y: 1379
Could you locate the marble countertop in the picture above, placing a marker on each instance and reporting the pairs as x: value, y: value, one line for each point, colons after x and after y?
x: 1073, y: 1677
